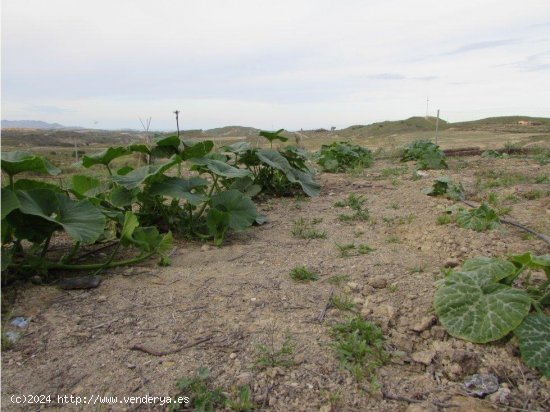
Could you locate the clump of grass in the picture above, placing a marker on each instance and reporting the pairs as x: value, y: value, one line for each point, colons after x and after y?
x: 303, y: 274
x: 392, y: 287
x: 360, y: 347
x: 304, y: 229
x: 342, y: 302
x: 541, y: 178
x: 393, y: 239
x: 395, y: 205
x: 346, y: 249
x: 243, y: 402
x: 416, y: 269
x: 338, y: 279
x: 445, y: 219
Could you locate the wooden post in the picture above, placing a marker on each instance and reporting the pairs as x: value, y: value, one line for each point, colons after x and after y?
x: 436, y: 126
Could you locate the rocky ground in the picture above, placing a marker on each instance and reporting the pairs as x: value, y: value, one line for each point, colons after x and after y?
x: 146, y: 327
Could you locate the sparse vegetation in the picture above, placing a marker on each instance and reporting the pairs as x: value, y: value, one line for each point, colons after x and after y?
x: 304, y: 229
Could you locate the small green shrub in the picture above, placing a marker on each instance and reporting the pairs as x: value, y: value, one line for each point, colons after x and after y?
x: 344, y: 157
x: 427, y: 155
x: 360, y: 347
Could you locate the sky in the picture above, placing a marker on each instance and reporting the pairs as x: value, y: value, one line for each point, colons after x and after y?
x: 272, y: 64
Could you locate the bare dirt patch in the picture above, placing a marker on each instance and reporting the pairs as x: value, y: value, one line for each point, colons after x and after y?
x: 145, y: 327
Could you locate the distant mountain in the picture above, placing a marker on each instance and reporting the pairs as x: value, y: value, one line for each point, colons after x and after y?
x: 30, y: 124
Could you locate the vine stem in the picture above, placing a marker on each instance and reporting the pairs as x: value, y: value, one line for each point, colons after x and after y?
x: 524, y: 228
x: 46, y: 245
x: 94, y: 266
x: 201, y: 211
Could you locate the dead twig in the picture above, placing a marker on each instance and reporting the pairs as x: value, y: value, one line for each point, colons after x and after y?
x: 324, y: 311
x: 155, y: 352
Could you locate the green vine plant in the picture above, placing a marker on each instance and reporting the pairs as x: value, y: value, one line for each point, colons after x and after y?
x: 487, y: 299
x: 344, y: 157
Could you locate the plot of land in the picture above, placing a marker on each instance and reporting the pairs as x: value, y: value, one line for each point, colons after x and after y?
x: 146, y: 327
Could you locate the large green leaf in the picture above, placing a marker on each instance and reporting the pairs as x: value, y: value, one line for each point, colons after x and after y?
x: 196, y: 148
x: 166, y: 147
x: 220, y: 168
x: 143, y: 174
x: 9, y: 202
x: 28, y: 184
x: 237, y: 148
x: 533, y: 262
x: 130, y: 224
x: 495, y: 268
x: 274, y: 159
x: 309, y: 186
x: 534, y: 342
x: 271, y: 136
x: 472, y: 307
x: 18, y: 162
x: 80, y: 219
x: 241, y: 209
x: 179, y: 188
x: 246, y: 186
x: 86, y: 186
x: 122, y: 197
x: 105, y: 157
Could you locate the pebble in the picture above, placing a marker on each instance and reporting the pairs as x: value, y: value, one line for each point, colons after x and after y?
x: 232, y: 355
x: 205, y: 248
x: 425, y: 357
x: 424, y: 324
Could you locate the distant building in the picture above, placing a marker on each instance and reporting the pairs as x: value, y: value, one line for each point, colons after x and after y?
x: 524, y: 123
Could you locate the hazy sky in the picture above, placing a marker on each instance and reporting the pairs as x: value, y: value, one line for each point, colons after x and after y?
x: 270, y: 64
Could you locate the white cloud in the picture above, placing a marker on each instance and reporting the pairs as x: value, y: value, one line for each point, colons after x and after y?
x: 288, y: 63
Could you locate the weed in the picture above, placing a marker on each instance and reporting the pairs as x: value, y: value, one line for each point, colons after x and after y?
x: 333, y: 398
x: 342, y: 302
x: 355, y: 203
x: 338, y: 279
x: 416, y: 269
x: 359, y: 346
x: 393, y: 239
x: 541, y: 178
x: 358, y: 232
x: 345, y: 249
x: 532, y: 194
x: 198, y: 393
x: 303, y: 274
x: 304, y: 229
x: 445, y: 219
x: 395, y: 205
x: 243, y: 402
x: 392, y: 287
x: 363, y: 249
x: 270, y: 356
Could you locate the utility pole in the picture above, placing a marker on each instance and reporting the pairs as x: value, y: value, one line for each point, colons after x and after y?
x: 177, y: 112
x: 427, y: 103
x: 436, y: 126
